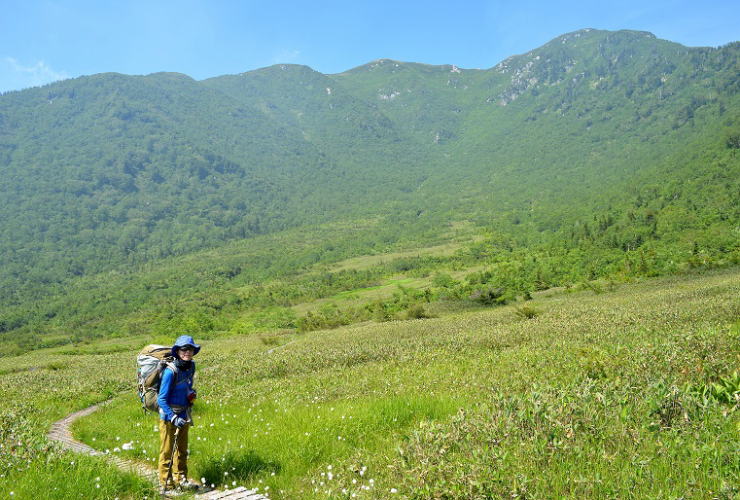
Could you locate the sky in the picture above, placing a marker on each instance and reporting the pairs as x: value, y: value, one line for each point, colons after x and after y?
x: 45, y: 41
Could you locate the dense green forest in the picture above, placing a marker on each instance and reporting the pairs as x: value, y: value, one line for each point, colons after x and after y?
x: 145, y: 203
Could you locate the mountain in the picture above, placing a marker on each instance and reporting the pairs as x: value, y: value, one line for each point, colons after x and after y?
x: 107, y: 171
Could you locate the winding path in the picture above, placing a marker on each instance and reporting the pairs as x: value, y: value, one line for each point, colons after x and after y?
x: 60, y: 433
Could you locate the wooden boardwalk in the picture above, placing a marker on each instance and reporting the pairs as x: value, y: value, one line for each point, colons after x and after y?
x: 60, y: 432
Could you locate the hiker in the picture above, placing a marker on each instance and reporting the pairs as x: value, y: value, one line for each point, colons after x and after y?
x: 176, y: 396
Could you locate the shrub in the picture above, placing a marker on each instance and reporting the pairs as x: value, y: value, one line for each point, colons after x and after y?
x: 593, y: 286
x: 733, y: 140
x: 443, y: 280
x: 490, y: 296
x: 417, y: 311
x: 670, y: 411
x: 526, y: 312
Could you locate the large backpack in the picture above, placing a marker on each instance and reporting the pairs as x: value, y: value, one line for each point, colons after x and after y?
x: 152, y: 360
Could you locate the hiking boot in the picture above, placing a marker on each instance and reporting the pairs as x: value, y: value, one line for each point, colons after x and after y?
x: 170, y: 490
x: 170, y: 493
x: 188, y: 485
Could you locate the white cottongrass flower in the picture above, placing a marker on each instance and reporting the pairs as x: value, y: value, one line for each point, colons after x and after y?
x: 128, y: 446
x: 394, y: 490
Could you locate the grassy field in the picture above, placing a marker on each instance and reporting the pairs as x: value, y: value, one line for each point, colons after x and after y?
x: 369, y: 261
x: 625, y: 393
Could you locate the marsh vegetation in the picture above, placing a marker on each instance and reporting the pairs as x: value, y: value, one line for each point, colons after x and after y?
x: 631, y: 391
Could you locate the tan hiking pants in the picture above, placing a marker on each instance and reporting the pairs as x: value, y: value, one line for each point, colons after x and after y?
x: 173, y: 449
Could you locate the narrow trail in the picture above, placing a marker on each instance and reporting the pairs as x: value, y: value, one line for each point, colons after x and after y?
x: 61, y: 433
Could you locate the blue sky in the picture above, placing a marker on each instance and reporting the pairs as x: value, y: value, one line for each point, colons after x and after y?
x: 43, y: 41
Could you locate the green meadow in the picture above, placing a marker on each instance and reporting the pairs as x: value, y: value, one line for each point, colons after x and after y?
x: 621, y: 391
x: 427, y: 282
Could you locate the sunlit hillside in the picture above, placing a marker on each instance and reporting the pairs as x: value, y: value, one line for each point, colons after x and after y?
x: 598, y: 155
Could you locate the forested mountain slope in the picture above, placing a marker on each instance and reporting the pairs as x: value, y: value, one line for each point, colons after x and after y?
x: 635, y: 136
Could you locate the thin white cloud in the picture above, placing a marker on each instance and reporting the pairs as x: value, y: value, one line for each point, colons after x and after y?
x: 18, y: 76
x: 286, y: 56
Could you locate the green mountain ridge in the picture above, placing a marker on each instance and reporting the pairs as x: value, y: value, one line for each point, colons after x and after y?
x: 111, y: 170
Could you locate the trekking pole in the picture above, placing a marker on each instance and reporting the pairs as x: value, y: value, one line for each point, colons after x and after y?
x: 172, y: 455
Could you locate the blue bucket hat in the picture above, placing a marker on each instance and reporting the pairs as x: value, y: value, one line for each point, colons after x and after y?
x: 183, y: 341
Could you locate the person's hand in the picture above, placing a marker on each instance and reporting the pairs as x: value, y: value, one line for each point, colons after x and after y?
x: 178, y: 421
x: 191, y: 396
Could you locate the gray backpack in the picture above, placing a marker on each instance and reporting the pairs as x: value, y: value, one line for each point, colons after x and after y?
x: 152, y: 360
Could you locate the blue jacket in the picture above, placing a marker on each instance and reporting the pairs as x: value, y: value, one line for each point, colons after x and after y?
x: 173, y: 391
